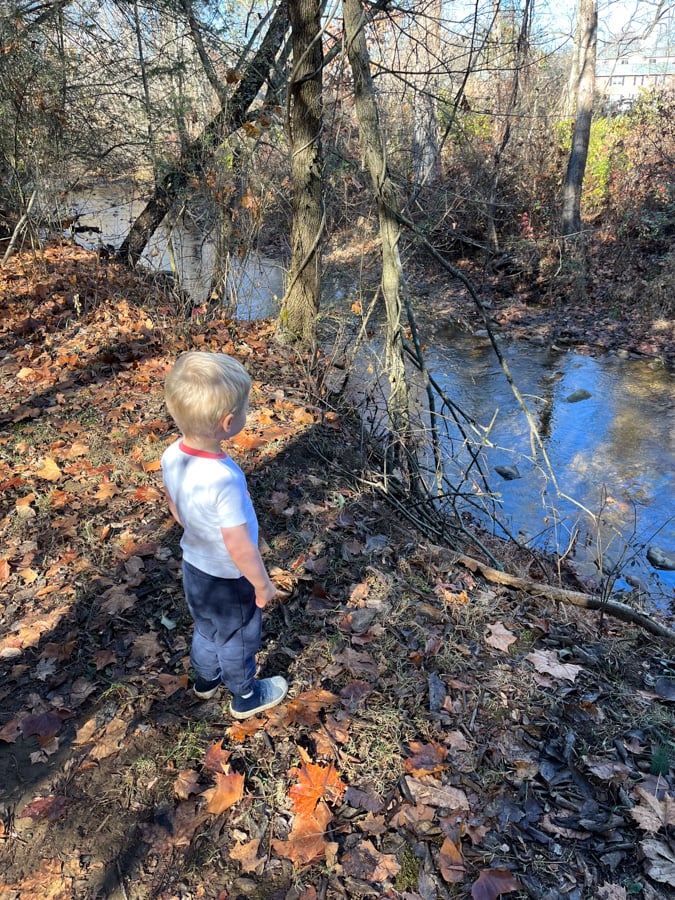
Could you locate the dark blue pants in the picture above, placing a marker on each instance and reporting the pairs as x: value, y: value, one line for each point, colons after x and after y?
x: 228, y: 628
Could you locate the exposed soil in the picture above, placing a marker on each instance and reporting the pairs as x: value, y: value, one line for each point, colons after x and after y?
x: 613, y: 301
x: 475, y: 740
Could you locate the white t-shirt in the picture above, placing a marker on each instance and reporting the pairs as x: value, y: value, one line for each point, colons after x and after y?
x: 210, y: 493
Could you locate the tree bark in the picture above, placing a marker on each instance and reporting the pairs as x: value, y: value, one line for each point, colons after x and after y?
x: 426, y: 153
x: 192, y: 161
x: 301, y: 301
x: 373, y: 146
x: 587, y: 36
x: 503, y: 129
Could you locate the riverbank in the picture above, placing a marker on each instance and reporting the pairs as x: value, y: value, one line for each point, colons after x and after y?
x: 444, y: 734
x: 621, y: 299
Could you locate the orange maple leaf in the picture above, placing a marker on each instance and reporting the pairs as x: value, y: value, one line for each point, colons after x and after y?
x: 315, y: 783
x: 306, y: 842
x: 239, y: 731
x: 229, y: 790
x: 247, y: 855
x: 216, y: 758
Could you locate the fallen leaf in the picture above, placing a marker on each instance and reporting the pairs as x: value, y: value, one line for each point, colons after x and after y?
x: 146, y: 646
x: 239, y: 731
x: 611, y: 892
x: 29, y: 576
x: 110, y: 740
x: 491, y: 883
x: 357, y: 663
x: 43, y: 725
x: 50, y: 470
x: 456, y: 740
x: 103, y: 658
x: 50, y: 808
x: 364, y: 861
x: 216, y: 758
x: 315, y: 783
x: 547, y: 661
x: 10, y: 732
x: 247, y: 856
x: 426, y: 759
x: 229, y: 790
x: 653, y: 814
x: 58, y: 651
x: 306, y: 842
x: 659, y: 860
x: 117, y: 599
x: 411, y: 817
x: 450, y: 862
x: 431, y: 793
x: 106, y: 490
x: 172, y: 683
x: 186, y: 783
x: 178, y: 831
x: 363, y: 798
x: 607, y: 769
x: 500, y: 637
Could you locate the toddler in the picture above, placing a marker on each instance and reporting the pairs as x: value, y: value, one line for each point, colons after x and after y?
x: 224, y: 578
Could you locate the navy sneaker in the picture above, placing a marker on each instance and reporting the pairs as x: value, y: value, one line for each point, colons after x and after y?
x: 265, y: 693
x: 206, y: 689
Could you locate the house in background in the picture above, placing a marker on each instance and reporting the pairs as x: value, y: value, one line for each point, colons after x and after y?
x: 621, y: 79
x: 627, y: 67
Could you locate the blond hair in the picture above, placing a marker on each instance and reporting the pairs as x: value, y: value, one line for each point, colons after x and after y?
x: 202, y: 388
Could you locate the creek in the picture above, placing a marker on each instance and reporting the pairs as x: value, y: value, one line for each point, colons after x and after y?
x: 607, y: 423
x: 608, y: 428
x: 103, y: 214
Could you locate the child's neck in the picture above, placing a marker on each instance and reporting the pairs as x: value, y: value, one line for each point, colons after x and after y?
x: 205, y: 444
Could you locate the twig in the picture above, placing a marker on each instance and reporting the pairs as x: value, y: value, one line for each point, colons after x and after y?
x: 576, y: 598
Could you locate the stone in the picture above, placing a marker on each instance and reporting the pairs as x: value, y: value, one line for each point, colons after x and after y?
x: 508, y: 473
x: 576, y: 396
x: 661, y: 559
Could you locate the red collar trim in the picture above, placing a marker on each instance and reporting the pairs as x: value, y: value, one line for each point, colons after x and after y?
x: 204, y: 454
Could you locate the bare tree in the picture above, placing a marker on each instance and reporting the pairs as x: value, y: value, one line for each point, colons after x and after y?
x: 586, y: 43
x: 304, y: 119
x: 374, y: 151
x: 427, y: 53
x: 228, y: 119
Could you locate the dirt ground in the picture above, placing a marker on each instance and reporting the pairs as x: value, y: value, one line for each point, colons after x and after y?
x: 444, y: 736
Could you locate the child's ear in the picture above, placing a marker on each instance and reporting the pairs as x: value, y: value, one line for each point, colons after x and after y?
x: 226, y: 422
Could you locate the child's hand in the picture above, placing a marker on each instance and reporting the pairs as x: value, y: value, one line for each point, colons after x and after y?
x: 264, y: 595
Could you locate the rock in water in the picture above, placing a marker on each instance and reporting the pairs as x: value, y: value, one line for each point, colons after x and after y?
x: 576, y: 396
x: 661, y: 559
x: 508, y: 473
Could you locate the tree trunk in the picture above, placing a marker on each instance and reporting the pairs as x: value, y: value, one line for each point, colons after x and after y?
x: 425, y: 146
x: 518, y: 55
x: 226, y: 121
x: 587, y: 35
x: 373, y: 146
x: 301, y: 302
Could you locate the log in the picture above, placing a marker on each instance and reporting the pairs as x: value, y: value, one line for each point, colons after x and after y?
x: 561, y: 595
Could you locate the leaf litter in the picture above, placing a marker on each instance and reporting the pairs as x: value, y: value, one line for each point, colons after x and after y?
x: 441, y: 738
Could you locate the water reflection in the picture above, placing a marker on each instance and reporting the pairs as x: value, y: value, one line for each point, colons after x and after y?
x: 183, y: 245
x: 614, y: 452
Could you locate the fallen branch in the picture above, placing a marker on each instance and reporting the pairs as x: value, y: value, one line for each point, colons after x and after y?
x: 611, y: 607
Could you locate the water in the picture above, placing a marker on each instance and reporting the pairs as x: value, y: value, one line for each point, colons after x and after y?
x: 613, y: 452
x: 255, y: 285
